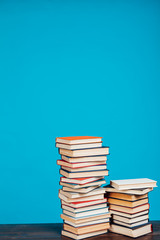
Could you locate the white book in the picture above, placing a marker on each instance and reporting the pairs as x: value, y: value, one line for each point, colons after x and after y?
x: 137, y: 232
x: 105, y: 220
x: 84, y: 159
x: 85, y: 219
x: 79, y: 195
x: 85, y: 152
x: 130, y: 220
x: 86, y: 229
x: 96, y: 173
x: 131, y: 225
x: 78, y: 146
x: 133, y: 183
x: 81, y: 181
x: 80, y: 190
x: 129, y: 209
x: 74, y: 186
x: 81, y: 199
x: 64, y: 163
x: 127, y: 215
x: 85, y: 169
x: 83, y: 209
x: 140, y: 191
x: 87, y: 213
x: 87, y: 235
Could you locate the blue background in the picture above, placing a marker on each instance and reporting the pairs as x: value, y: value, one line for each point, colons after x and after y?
x: 72, y: 68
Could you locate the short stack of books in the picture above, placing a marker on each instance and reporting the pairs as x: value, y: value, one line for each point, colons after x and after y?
x: 83, y: 167
x: 129, y: 207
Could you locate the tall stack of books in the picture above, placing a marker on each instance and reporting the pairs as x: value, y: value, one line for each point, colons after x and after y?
x: 129, y: 207
x: 83, y: 167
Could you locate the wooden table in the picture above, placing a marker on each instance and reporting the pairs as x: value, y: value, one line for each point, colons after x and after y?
x: 53, y: 231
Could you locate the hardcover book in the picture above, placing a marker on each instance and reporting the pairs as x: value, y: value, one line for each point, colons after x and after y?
x: 83, y: 180
x: 83, y: 186
x: 85, y: 219
x: 86, y: 229
x: 104, y: 220
x: 82, y: 236
x: 78, y: 140
x: 97, y: 173
x: 139, y: 191
x: 79, y: 190
x: 84, y: 159
x: 130, y: 220
x: 80, y: 164
x: 79, y: 146
x: 85, y: 169
x: 133, y: 183
x: 85, y: 152
x: 128, y: 197
x: 129, y: 209
x: 83, y: 209
x: 125, y: 203
x: 128, y: 215
x: 86, y: 213
x: 131, y: 232
x: 81, y: 199
x: 81, y: 204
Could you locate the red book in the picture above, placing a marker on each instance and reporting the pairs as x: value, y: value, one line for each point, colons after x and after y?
x: 84, y: 203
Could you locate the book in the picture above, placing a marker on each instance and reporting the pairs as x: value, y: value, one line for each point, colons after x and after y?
x: 84, y: 159
x: 104, y: 220
x: 85, y: 169
x: 86, y: 213
x: 140, y: 191
x: 80, y: 186
x: 82, y: 180
x: 78, y: 139
x: 73, y: 195
x: 79, y: 146
x: 125, y: 203
x: 83, y: 209
x: 81, y: 204
x: 82, y: 236
x: 97, y: 173
x: 81, y: 199
x: 84, y: 152
x: 79, y: 190
x: 130, y: 220
x: 79, y: 164
x: 128, y: 197
x: 128, y: 215
x: 130, y: 225
x: 135, y: 232
x: 86, y: 229
x: 85, y: 219
x: 133, y: 183
x: 129, y: 209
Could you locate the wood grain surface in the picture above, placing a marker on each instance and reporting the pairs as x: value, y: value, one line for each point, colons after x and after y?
x: 53, y: 231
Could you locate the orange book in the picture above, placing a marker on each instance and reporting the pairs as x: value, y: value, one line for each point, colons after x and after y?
x: 78, y: 140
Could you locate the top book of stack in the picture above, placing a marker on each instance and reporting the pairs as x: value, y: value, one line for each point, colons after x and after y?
x: 138, y: 183
x: 78, y: 140
x: 81, y: 146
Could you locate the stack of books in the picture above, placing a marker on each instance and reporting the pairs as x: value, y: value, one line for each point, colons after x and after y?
x: 129, y: 207
x: 83, y: 167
